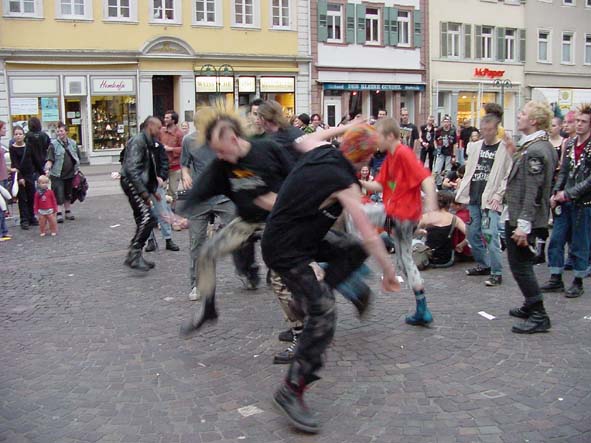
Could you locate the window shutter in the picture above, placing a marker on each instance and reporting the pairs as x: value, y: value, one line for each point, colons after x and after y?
x: 394, y: 26
x: 360, y: 24
x: 350, y: 24
x: 443, y: 40
x: 521, y: 34
x: 387, y: 16
x: 501, y: 44
x: 478, y: 41
x: 322, y: 20
x: 418, y: 26
x: 467, y: 41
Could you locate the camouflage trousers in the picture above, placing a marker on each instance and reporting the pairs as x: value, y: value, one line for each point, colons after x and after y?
x: 343, y: 255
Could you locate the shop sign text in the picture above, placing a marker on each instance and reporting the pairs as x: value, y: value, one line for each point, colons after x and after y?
x: 112, y: 85
x: 489, y: 73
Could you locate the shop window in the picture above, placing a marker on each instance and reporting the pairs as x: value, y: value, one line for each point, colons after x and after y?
x: 45, y: 109
x: 285, y: 99
x: 23, y: 8
x: 335, y: 22
x: 356, y: 103
x: 121, y: 10
x: 114, y: 121
x: 280, y: 14
x: 378, y: 101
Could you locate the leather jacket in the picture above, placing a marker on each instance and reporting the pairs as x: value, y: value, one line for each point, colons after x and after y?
x: 139, y: 163
x: 574, y: 177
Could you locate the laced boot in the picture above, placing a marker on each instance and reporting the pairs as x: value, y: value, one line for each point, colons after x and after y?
x: 422, y: 316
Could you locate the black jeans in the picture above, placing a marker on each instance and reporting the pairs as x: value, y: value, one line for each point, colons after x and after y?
x: 521, y: 263
x: 430, y: 152
x: 343, y: 254
x: 144, y: 219
x: 26, y: 199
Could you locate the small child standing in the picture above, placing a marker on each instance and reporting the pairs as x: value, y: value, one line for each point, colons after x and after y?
x: 45, y: 206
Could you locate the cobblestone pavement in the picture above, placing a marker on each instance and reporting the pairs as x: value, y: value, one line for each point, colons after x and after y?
x: 90, y: 353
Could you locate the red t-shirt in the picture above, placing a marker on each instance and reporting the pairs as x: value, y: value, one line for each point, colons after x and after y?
x: 401, y: 176
x: 579, y: 149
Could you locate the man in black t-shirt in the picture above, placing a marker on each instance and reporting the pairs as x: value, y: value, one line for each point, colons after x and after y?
x: 445, y: 142
x: 250, y: 174
x: 320, y: 186
x: 427, y: 141
x: 408, y: 131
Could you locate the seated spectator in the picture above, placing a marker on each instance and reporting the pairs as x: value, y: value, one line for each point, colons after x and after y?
x: 439, y: 227
x: 453, y: 178
x: 365, y: 175
x: 462, y: 248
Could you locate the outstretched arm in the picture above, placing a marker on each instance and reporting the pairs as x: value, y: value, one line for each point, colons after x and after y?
x: 315, y: 139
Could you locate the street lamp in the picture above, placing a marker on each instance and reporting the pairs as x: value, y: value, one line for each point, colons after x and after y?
x: 223, y: 71
x: 502, y: 83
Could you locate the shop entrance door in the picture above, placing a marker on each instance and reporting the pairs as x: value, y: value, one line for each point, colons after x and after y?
x: 332, y: 111
x: 77, y: 124
x: 162, y: 94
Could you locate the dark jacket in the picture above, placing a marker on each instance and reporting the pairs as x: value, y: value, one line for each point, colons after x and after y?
x: 140, y: 163
x: 575, y: 178
x: 161, y: 161
x: 530, y: 183
x: 37, y: 144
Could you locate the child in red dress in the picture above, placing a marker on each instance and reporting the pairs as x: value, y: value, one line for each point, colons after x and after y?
x: 45, y: 206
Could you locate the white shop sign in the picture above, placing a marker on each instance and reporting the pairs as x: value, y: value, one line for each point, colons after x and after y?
x: 277, y: 84
x: 24, y: 106
x: 214, y: 84
x: 110, y: 86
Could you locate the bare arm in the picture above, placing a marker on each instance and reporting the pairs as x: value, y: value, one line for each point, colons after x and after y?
x: 315, y: 139
x: 372, y: 186
x: 428, y: 187
x: 266, y: 201
x: 350, y: 199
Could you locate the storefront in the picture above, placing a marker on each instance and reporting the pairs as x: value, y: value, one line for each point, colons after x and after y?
x: 339, y: 99
x: 464, y: 99
x: 212, y: 90
x: 566, y: 99
x: 280, y: 89
x: 99, y: 110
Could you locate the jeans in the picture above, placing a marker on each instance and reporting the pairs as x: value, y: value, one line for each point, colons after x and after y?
x: 484, y: 241
x: 403, y: 234
x: 521, y: 263
x: 573, y: 225
x: 442, y: 164
x: 428, y: 152
x: 460, y: 159
x: 160, y: 210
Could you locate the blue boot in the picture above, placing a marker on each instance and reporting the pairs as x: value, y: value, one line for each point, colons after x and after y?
x: 422, y: 316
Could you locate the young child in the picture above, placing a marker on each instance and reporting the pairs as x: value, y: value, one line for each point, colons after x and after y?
x: 45, y: 206
x: 401, y: 179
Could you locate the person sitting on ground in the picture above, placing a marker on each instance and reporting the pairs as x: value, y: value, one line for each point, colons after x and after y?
x: 463, y: 250
x: 453, y: 178
x: 439, y: 227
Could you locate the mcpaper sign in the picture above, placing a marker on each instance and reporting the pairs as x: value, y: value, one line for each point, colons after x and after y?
x: 106, y: 86
x: 489, y: 73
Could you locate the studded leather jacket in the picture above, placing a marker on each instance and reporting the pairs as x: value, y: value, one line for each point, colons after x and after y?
x: 139, y: 163
x: 574, y: 177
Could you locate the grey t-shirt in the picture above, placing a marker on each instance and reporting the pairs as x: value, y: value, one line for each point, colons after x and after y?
x: 197, y: 157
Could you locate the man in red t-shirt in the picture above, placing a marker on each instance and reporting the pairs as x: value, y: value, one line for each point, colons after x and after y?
x: 401, y: 179
x: 171, y: 137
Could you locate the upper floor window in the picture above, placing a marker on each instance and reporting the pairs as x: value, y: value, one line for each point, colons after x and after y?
x: 486, y: 43
x: 569, y: 2
x: 567, y: 47
x: 23, y: 8
x: 166, y: 11
x: 510, y: 44
x: 280, y: 14
x: 403, y: 28
x: 543, y: 46
x: 372, y: 26
x: 74, y: 9
x: 588, y: 3
x: 245, y: 13
x: 121, y: 10
x: 453, y: 40
x: 207, y: 12
x: 335, y: 22
x: 588, y: 49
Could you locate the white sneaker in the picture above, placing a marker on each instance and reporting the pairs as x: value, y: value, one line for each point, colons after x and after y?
x: 194, y: 295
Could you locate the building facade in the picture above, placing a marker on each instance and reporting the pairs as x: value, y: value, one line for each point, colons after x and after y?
x: 478, y: 52
x: 368, y: 56
x: 558, y: 63
x: 102, y: 66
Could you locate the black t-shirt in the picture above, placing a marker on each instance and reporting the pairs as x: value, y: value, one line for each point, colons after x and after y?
x: 482, y: 171
x: 261, y: 171
x: 446, y: 140
x: 285, y: 137
x: 297, y: 225
x: 409, y: 134
x: 465, y: 134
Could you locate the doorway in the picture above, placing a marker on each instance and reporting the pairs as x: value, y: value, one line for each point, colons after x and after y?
x: 162, y: 95
x: 76, y: 123
x: 332, y: 110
